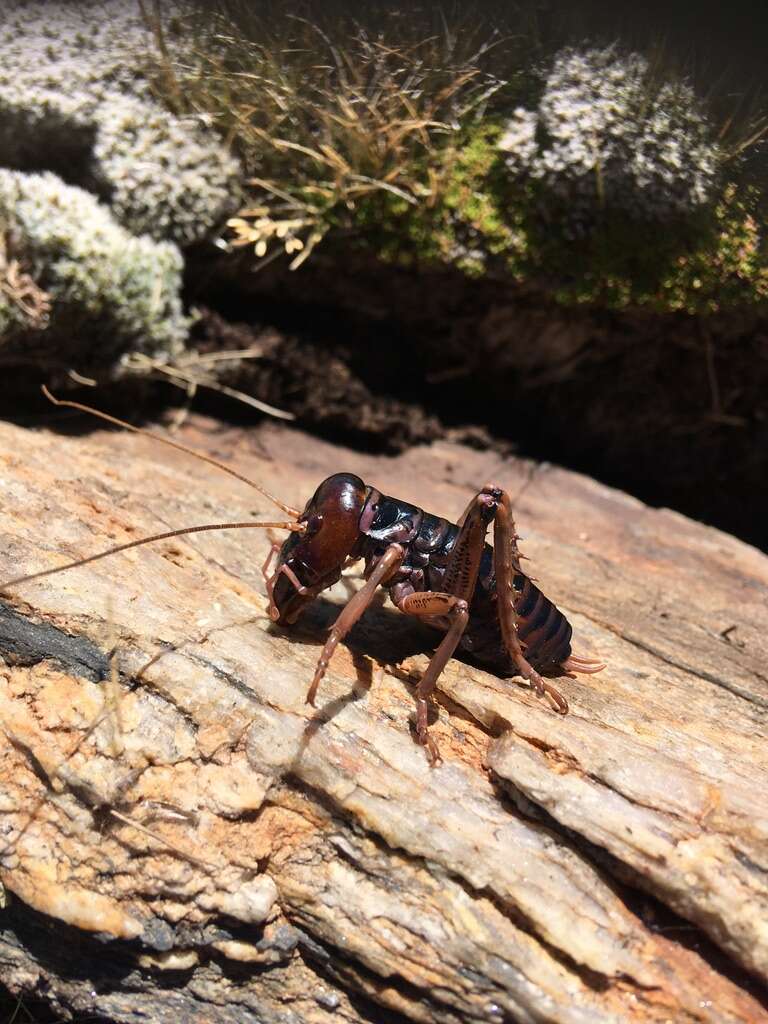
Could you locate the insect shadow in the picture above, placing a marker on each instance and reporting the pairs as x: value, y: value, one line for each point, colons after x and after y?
x: 383, y: 633
x: 382, y: 637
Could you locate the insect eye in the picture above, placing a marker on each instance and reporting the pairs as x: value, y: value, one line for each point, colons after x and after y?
x: 386, y: 515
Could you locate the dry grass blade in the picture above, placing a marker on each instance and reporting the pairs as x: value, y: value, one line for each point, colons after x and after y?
x: 366, y: 124
x: 312, y: 241
x: 32, y: 301
x: 188, y: 375
x: 758, y: 134
x: 326, y: 119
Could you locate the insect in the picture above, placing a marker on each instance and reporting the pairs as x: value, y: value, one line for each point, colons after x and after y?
x: 444, y: 574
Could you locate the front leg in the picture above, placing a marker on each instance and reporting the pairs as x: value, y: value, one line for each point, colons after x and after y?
x: 386, y: 566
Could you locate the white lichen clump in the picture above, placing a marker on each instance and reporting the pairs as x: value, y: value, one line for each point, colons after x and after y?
x: 603, y: 136
x: 167, y: 177
x: 109, y: 291
x: 73, y: 99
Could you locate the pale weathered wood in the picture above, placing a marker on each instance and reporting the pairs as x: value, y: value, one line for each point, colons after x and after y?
x: 317, y: 866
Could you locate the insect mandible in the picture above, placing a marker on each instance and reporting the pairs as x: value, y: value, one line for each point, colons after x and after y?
x: 444, y: 574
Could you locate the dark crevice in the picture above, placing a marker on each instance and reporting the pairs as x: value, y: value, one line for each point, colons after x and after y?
x: 341, y: 970
x: 629, y: 407
x: 229, y: 678
x: 165, y: 695
x: 591, y: 979
x: 24, y: 642
x: 634, y: 892
x: 50, y: 143
x: 386, y: 357
x: 89, y: 967
x: 64, y: 950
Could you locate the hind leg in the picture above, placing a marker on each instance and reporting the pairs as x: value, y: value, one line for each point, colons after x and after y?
x: 506, y: 561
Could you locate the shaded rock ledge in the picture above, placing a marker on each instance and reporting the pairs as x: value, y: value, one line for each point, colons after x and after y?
x: 189, y: 837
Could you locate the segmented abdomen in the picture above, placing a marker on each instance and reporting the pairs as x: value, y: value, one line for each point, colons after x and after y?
x: 544, y: 631
x: 542, y: 628
x: 428, y: 541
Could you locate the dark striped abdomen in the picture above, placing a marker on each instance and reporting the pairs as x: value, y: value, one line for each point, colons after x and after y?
x: 544, y: 631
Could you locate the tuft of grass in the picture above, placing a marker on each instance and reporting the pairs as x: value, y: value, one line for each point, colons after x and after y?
x: 330, y: 120
x: 381, y: 129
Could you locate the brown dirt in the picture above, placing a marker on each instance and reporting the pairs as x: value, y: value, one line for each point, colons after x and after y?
x: 667, y: 408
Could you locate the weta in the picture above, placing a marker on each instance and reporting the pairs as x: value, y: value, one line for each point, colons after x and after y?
x: 445, y: 574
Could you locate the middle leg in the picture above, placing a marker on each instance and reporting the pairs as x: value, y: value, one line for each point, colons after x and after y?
x: 450, y: 606
x: 430, y: 604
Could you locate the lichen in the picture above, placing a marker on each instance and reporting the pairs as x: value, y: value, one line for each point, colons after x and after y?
x: 109, y: 290
x: 75, y: 98
x: 603, y: 136
x: 664, y: 234
x: 166, y: 176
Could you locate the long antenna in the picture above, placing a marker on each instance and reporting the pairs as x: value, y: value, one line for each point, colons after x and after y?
x: 292, y: 512
x: 294, y: 527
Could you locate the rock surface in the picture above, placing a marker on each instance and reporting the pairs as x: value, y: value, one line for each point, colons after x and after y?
x: 183, y: 834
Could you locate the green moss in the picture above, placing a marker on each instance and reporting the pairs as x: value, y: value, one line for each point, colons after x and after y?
x: 476, y: 220
x: 707, y: 264
x: 395, y: 149
x: 457, y: 219
x: 730, y: 270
